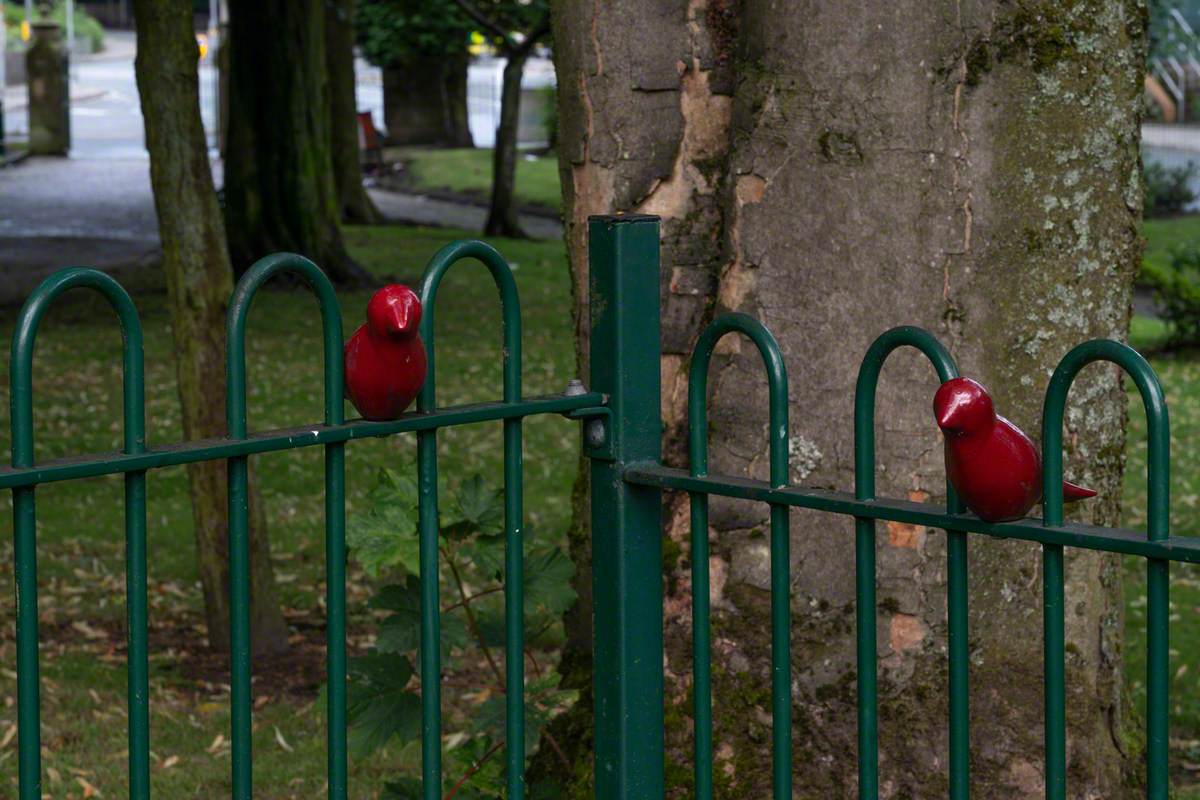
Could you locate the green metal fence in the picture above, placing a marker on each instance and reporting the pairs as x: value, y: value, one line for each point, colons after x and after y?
x: 621, y: 437
x: 139, y: 456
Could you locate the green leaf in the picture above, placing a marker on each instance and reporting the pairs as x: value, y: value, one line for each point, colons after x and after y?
x: 454, y: 631
x: 385, y: 536
x: 486, y: 554
x: 479, y: 509
x: 401, y: 631
x: 490, y: 622
x: 476, y: 755
x: 378, y: 706
x: 548, y: 574
x: 383, y: 539
x: 403, y: 789
x: 543, y: 701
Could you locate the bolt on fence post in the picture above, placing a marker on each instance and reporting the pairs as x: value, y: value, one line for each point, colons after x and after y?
x: 626, y: 519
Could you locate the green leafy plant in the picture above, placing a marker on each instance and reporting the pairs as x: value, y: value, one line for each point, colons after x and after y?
x: 1177, y: 292
x: 1168, y: 189
x: 384, y: 703
x: 394, y: 32
x: 86, y: 26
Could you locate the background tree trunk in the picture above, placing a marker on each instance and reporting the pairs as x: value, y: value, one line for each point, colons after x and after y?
x: 353, y: 202
x: 279, y: 185
x: 970, y: 168
x: 425, y: 102
x: 502, y: 217
x: 199, y: 283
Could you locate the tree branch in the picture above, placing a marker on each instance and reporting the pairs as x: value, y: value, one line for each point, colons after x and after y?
x: 474, y: 768
x: 471, y: 623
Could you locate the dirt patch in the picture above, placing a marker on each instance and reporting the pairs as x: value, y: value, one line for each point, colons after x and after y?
x: 201, y: 672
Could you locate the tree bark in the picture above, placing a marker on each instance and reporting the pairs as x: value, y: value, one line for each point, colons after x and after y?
x: 279, y: 180
x: 425, y: 102
x: 199, y: 283
x: 969, y: 168
x: 502, y: 217
x: 354, y: 204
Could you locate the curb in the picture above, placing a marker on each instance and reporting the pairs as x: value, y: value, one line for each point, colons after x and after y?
x: 389, y: 184
x: 12, y: 159
x: 83, y: 96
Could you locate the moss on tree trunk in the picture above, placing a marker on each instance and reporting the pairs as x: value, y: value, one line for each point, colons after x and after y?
x: 199, y: 283
x: 280, y: 193
x: 970, y: 168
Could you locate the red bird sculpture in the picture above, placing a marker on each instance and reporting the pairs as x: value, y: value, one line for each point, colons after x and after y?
x: 385, y: 358
x: 992, y: 464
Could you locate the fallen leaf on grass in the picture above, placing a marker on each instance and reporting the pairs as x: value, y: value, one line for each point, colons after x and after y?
x: 88, y: 630
x: 88, y: 789
x: 282, y: 742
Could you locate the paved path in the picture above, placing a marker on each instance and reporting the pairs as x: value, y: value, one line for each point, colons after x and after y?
x: 420, y: 210
x: 59, y: 212
x: 1185, y: 138
x: 96, y: 207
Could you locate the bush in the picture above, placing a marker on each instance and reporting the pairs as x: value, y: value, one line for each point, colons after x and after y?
x: 87, y: 28
x: 1168, y: 189
x: 1177, y: 293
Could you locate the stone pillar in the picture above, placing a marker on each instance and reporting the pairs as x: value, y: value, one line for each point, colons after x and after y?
x: 46, y: 65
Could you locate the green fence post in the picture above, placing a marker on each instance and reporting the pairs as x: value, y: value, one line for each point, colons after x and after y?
x: 626, y: 519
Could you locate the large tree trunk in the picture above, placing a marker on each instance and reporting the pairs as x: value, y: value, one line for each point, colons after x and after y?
x: 199, y: 283
x: 502, y: 217
x: 279, y: 181
x: 354, y: 204
x: 970, y: 168
x: 425, y: 102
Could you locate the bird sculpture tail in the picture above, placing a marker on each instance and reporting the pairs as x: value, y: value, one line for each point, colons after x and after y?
x: 1071, y: 492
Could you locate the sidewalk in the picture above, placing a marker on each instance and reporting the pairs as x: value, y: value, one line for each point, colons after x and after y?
x: 16, y: 98
x: 414, y: 209
x: 1171, y: 137
x: 118, y: 46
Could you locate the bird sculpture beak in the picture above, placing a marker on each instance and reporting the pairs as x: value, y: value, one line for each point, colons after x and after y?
x: 401, y: 317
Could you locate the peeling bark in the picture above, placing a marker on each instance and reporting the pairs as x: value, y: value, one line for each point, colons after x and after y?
x: 967, y: 167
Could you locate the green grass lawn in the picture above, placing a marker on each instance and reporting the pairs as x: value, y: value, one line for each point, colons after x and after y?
x: 469, y: 171
x: 1180, y: 377
x: 77, y: 382
x: 1164, y: 235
